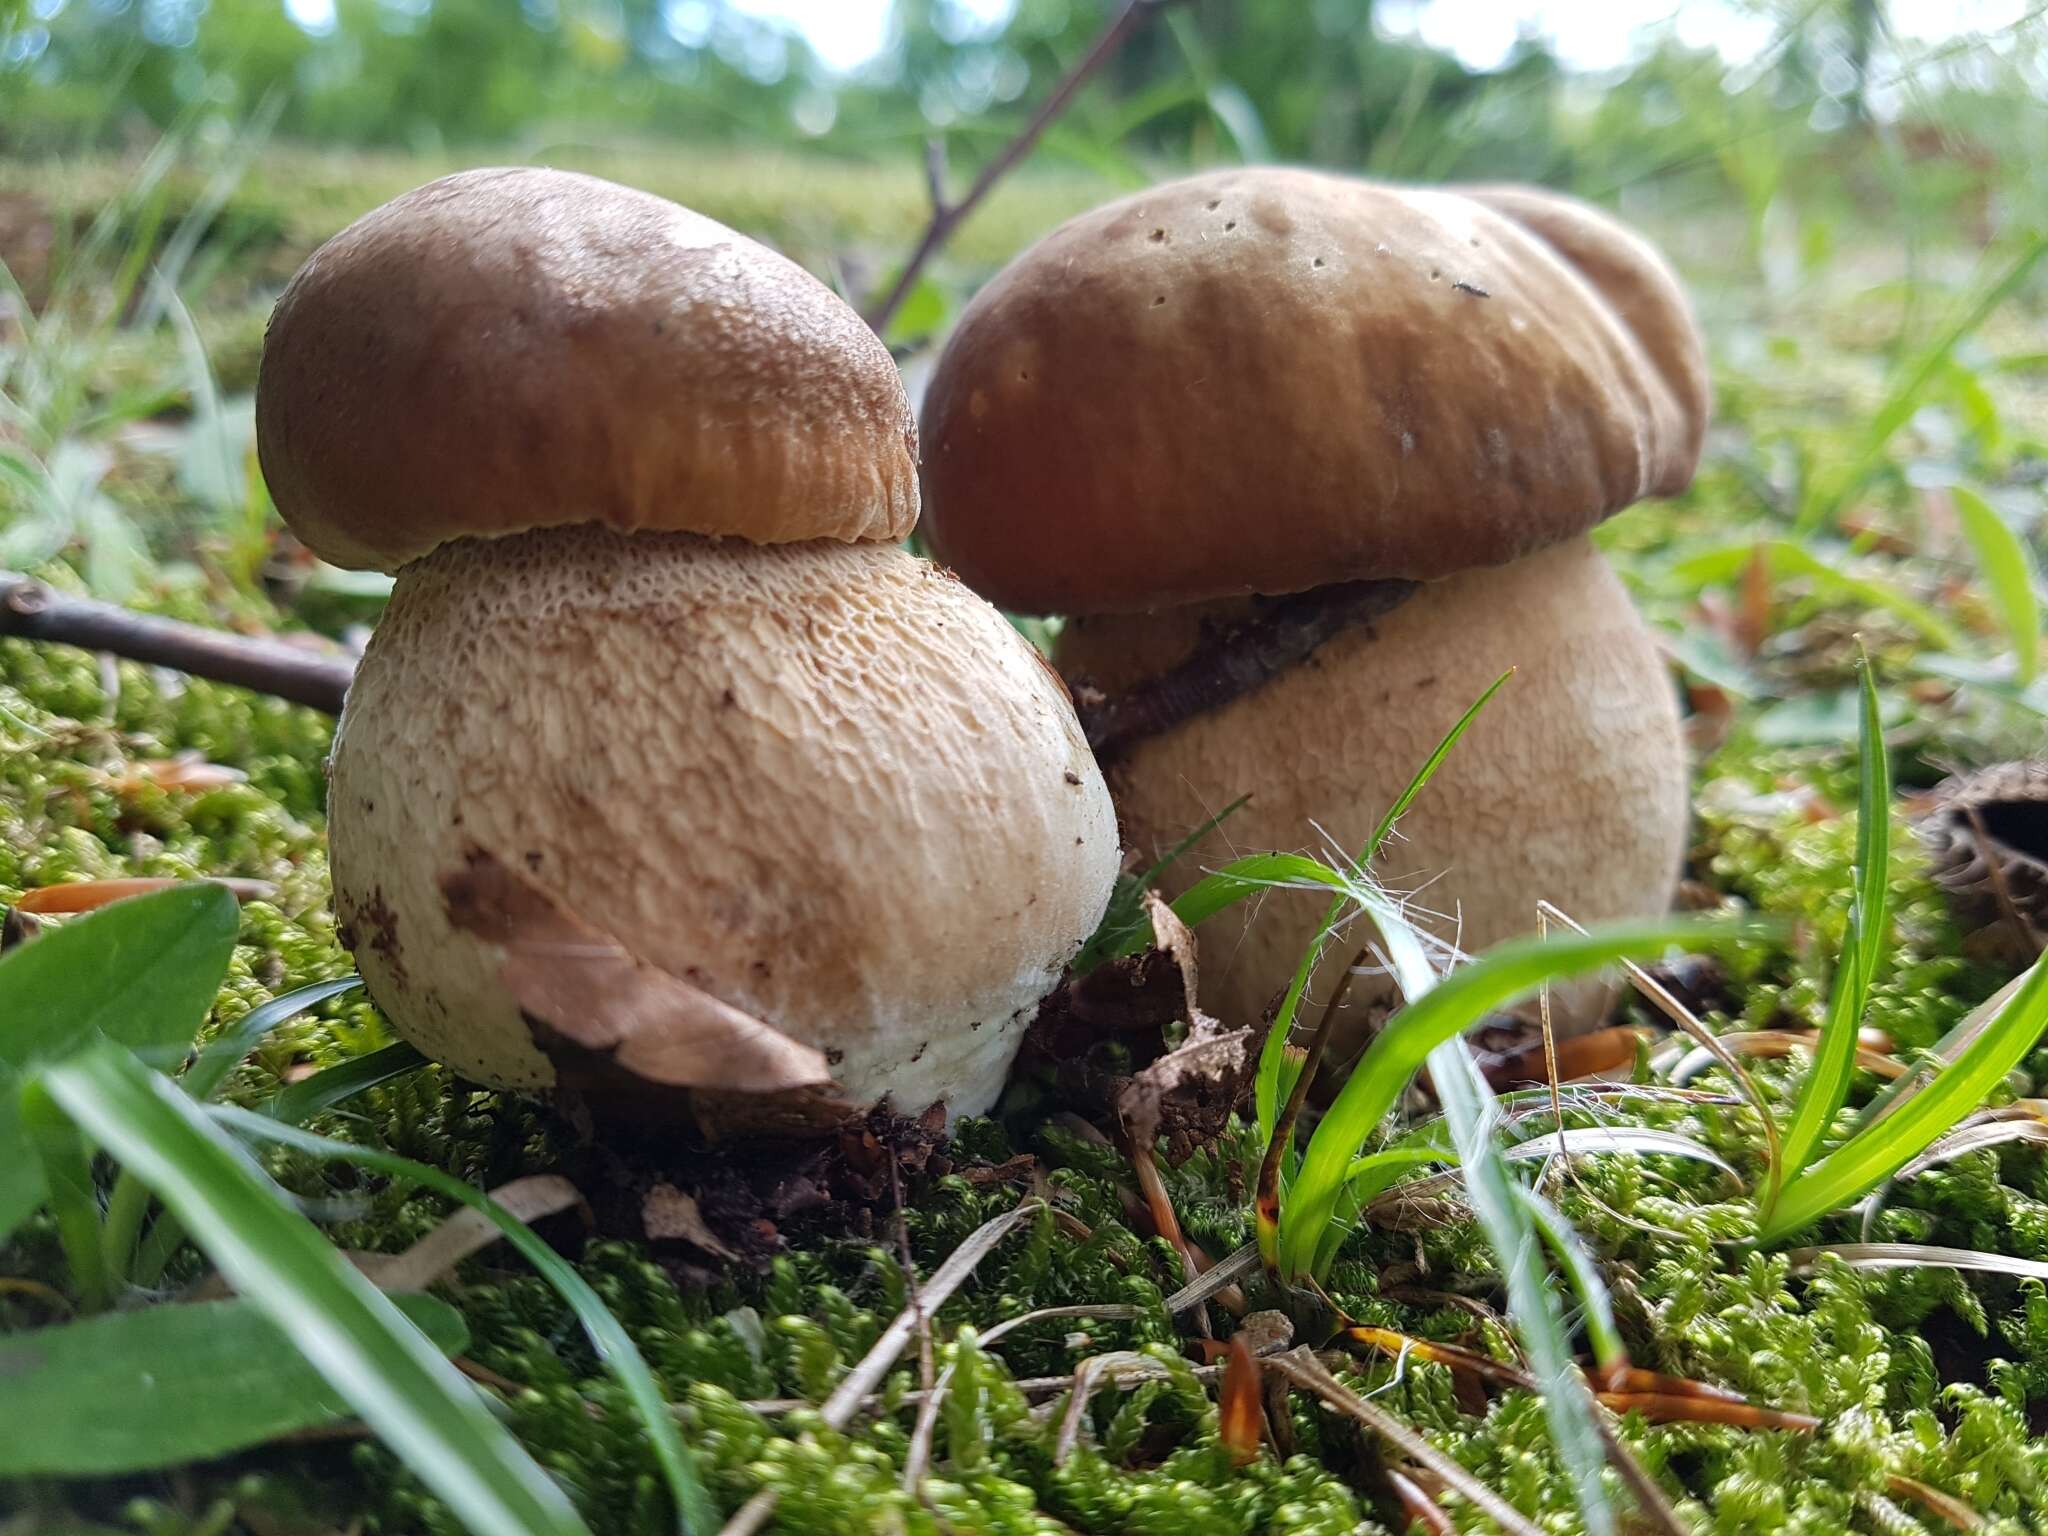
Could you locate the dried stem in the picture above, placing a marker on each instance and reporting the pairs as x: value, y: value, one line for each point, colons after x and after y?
x: 1232, y: 661
x: 947, y: 216
x: 32, y: 611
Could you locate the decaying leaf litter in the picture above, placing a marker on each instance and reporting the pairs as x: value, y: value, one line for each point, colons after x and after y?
x: 1921, y: 1376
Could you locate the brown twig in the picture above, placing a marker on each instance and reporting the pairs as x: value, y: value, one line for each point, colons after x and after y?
x: 1232, y: 661
x: 947, y: 216
x: 32, y: 611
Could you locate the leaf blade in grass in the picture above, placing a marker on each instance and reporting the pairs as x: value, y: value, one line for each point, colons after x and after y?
x: 296, y: 1103
x: 1825, y: 1088
x: 351, y: 1333
x: 135, y: 1391
x: 613, y: 1344
x: 1882, y: 1147
x: 1826, y: 498
x: 1473, y: 1117
x: 2008, y: 577
x: 144, y: 972
x: 1266, y: 1083
x: 220, y: 1057
x: 1495, y: 979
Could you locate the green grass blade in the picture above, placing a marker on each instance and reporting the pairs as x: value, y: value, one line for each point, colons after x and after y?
x: 1473, y: 1117
x: 1565, y: 1245
x: 1826, y: 499
x: 1372, y: 1174
x: 1875, y: 1153
x: 68, y: 1187
x: 297, y: 1103
x: 1496, y: 1197
x: 2008, y: 577
x: 1825, y: 1087
x: 613, y: 1344
x: 1502, y: 976
x: 1124, y: 929
x: 1873, y: 838
x: 204, y: 1077
x: 387, y: 1370
x: 1266, y: 1084
x: 1427, y: 771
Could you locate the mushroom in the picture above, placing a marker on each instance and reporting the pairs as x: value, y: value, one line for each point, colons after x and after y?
x: 1176, y: 408
x: 654, y: 656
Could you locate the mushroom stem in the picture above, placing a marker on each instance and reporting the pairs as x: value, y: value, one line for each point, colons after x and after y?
x: 1231, y: 661
x: 32, y: 611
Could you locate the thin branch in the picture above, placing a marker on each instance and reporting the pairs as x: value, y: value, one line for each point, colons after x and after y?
x: 32, y: 611
x: 1231, y: 662
x: 948, y: 216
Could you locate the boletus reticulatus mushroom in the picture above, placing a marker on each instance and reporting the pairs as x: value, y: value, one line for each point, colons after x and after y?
x: 656, y: 662
x: 1176, y: 410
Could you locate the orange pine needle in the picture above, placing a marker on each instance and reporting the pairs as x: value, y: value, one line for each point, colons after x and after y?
x: 1242, y: 1416
x: 1418, y: 1506
x: 91, y: 895
x: 1664, y: 1408
x: 1604, y: 1050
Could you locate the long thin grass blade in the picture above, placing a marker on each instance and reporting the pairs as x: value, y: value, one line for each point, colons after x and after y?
x: 2009, y: 577
x: 1473, y: 1117
x: 1916, y: 1256
x: 1826, y: 1086
x: 1597, y: 1306
x: 614, y: 1346
x: 1500, y: 977
x: 1829, y: 497
x: 1878, y: 1151
x: 353, y: 1335
x: 215, y: 1061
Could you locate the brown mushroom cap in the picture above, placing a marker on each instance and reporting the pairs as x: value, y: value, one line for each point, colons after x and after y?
x: 505, y: 350
x: 1266, y: 380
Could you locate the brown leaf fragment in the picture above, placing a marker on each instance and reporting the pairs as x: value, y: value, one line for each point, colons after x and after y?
x: 1188, y: 1092
x: 596, y: 995
x: 467, y: 1232
x: 668, y: 1215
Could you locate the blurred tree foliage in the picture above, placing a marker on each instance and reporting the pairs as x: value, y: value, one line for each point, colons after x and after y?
x: 1310, y: 80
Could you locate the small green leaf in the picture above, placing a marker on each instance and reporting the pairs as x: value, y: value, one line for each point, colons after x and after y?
x: 351, y: 1333
x: 132, y: 1391
x: 143, y: 971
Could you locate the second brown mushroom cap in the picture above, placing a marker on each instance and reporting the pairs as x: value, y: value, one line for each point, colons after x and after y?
x: 1259, y: 382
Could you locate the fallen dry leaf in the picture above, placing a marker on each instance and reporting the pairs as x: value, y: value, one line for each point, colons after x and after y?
x: 598, y: 996
x: 669, y: 1214
x: 467, y: 1232
x: 1196, y: 1083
